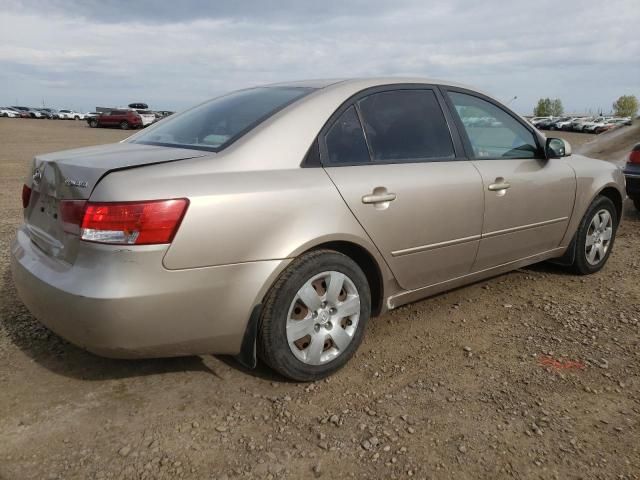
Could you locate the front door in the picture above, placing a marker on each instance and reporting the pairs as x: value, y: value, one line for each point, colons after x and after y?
x: 419, y: 203
x: 528, y: 198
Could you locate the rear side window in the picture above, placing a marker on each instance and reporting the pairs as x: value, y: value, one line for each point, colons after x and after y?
x: 492, y: 132
x: 404, y: 125
x: 345, y: 140
x: 215, y: 124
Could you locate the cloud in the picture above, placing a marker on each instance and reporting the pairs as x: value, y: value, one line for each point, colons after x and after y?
x: 173, y: 54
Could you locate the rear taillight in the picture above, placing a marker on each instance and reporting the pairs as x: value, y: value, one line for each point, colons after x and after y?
x: 26, y: 196
x: 634, y: 156
x: 72, y: 212
x: 132, y: 223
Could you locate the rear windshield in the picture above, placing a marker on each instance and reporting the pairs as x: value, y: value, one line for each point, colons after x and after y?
x: 215, y: 124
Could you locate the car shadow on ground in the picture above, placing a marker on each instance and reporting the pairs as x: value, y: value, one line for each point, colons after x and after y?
x: 61, y: 357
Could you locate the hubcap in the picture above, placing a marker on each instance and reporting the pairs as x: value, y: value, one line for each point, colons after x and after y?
x: 599, y: 236
x: 323, y: 318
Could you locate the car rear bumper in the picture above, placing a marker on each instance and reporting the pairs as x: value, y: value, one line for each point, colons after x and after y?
x: 122, y: 303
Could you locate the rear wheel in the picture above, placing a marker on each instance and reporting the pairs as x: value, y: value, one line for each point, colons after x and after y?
x: 93, y: 123
x: 124, y: 125
x: 314, y: 316
x: 595, y: 236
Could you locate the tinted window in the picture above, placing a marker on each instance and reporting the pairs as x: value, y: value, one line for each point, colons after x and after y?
x: 493, y: 133
x: 404, y: 125
x: 214, y: 124
x: 345, y: 140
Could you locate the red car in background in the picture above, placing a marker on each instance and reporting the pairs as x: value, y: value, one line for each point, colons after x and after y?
x: 122, y: 118
x: 632, y: 175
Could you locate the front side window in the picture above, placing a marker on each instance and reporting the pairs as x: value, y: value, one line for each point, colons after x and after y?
x: 345, y: 140
x: 215, y: 124
x: 492, y: 132
x: 404, y: 125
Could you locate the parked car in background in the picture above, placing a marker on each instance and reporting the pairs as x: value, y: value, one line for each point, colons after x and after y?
x: 50, y: 113
x: 9, y: 112
x: 147, y: 116
x: 576, y: 125
x: 558, y: 122
x: 564, y: 123
x: 65, y: 114
x: 535, y: 120
x: 30, y: 112
x: 632, y: 175
x: 586, y: 127
x: 24, y: 112
x: 609, y: 124
x: 160, y: 114
x: 276, y: 220
x: 121, y: 118
x: 590, y: 127
x: 545, y: 124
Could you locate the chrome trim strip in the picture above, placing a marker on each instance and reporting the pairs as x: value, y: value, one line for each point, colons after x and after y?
x: 632, y: 175
x: 424, y: 248
x: 458, y: 241
x: 523, y: 227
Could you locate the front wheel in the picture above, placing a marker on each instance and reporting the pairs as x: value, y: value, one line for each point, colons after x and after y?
x: 314, y: 316
x: 595, y: 236
x: 93, y: 123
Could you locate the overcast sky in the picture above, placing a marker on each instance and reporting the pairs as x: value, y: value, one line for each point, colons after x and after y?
x: 172, y: 54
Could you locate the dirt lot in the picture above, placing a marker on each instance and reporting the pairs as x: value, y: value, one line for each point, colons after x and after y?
x: 533, y: 374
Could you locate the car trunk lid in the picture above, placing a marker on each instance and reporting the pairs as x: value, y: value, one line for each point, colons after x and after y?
x: 71, y: 176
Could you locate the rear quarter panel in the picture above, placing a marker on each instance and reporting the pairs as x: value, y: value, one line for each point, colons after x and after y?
x: 241, y: 216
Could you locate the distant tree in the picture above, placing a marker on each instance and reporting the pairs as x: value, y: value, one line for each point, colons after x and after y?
x: 556, y: 107
x: 626, y: 106
x: 543, y: 108
x: 547, y: 107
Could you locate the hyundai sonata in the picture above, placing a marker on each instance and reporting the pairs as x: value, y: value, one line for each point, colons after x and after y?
x: 273, y: 222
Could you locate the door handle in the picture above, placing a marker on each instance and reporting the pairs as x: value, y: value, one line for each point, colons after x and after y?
x: 379, y: 198
x: 499, y: 185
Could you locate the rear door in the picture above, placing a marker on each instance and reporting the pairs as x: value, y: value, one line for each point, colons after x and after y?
x: 398, y: 166
x: 528, y: 198
x: 113, y: 118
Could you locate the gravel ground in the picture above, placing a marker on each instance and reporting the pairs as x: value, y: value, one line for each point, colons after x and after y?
x: 533, y: 374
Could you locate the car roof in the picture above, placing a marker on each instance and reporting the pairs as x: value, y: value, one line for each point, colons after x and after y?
x: 368, y: 81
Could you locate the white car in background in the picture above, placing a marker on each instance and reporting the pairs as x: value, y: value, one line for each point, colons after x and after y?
x: 70, y: 115
x: 8, y: 112
x: 148, y: 117
x: 591, y: 126
x: 535, y: 120
x: 564, y: 125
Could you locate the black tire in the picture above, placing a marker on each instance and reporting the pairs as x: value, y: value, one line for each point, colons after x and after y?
x: 76, y: 118
x: 124, y: 125
x: 580, y: 264
x: 636, y: 203
x: 93, y: 123
x: 272, y: 344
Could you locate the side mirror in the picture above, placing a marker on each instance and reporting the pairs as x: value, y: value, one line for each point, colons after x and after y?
x: 557, y: 147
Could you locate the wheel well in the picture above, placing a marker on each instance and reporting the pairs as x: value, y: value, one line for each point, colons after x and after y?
x: 368, y: 265
x: 614, y: 195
